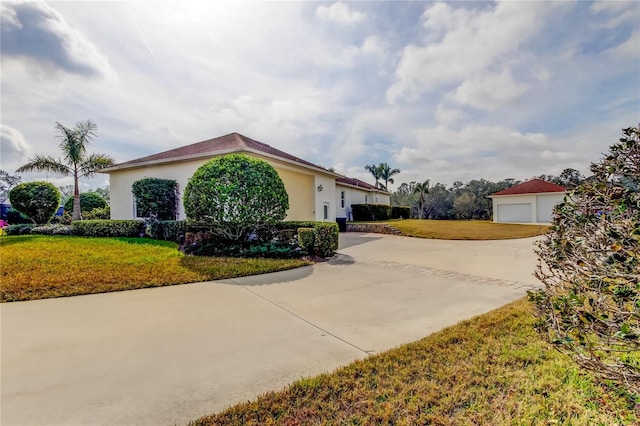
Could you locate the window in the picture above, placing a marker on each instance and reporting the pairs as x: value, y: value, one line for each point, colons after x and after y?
x: 365, y: 199
x: 342, y: 199
x: 326, y: 211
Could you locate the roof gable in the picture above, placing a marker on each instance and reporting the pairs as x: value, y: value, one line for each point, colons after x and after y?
x: 533, y: 186
x: 233, y: 142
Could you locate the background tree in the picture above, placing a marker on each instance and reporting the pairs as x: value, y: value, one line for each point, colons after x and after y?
x: 156, y: 198
x: 76, y: 162
x: 438, y: 203
x: 404, y: 195
x: 375, y: 172
x: 234, y: 195
x: 7, y: 181
x: 386, y: 174
x: 37, y: 200
x: 104, y: 192
x: 571, y: 178
x: 590, y: 263
x: 88, y: 202
x: 421, y: 190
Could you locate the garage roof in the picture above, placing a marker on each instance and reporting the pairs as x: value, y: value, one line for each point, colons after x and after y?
x: 533, y: 186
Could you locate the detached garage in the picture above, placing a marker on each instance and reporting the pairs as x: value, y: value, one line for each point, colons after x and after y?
x: 529, y: 202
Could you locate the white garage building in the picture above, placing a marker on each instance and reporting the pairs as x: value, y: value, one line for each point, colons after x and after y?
x: 529, y: 202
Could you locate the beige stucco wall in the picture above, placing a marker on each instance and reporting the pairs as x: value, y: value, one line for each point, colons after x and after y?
x: 301, y: 185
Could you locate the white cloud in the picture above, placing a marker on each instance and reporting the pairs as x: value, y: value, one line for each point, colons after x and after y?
x: 36, y: 31
x: 447, y: 116
x: 15, y: 150
x: 340, y: 13
x: 471, y: 43
x: 489, y: 91
x: 616, y: 12
x: 628, y: 49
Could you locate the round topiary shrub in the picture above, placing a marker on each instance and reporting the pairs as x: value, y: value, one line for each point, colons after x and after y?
x: 88, y: 202
x: 234, y: 195
x: 37, y: 200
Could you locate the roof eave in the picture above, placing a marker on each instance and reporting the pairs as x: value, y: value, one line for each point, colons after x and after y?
x: 526, y: 193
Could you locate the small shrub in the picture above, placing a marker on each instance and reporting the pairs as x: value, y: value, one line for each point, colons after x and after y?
x: 400, y: 212
x: 168, y: 230
x: 156, y: 197
x: 88, y: 202
x: 20, y: 229
x: 109, y: 228
x: 326, y: 238
x: 53, y: 230
x: 37, y: 200
x: 103, y: 213
x: 306, y: 239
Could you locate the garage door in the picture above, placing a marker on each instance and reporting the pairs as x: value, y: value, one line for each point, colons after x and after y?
x: 545, y: 205
x: 520, y: 213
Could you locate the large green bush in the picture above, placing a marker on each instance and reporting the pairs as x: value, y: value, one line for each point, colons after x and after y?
x: 88, y: 202
x: 37, y: 200
x: 234, y: 195
x: 108, y: 228
x: 156, y: 197
x: 590, y: 266
x: 400, y: 212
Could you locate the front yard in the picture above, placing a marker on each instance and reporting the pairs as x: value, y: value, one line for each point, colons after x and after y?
x: 40, y: 267
x: 489, y: 370
x: 465, y: 229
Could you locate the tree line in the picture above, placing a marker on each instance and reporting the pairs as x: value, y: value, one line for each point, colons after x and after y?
x: 468, y: 200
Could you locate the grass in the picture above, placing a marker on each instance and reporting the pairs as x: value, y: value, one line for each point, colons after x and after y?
x: 465, y: 229
x: 40, y: 267
x: 492, y: 369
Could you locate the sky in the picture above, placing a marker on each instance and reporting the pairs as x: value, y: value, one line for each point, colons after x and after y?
x: 446, y: 91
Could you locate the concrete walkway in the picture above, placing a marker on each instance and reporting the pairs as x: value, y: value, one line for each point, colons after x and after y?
x: 169, y: 355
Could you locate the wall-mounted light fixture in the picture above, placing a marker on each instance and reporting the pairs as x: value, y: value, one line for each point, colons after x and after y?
x: 320, y: 188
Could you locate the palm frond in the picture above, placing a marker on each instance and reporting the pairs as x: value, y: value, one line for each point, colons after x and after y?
x: 74, y: 141
x: 44, y: 163
x: 95, y: 162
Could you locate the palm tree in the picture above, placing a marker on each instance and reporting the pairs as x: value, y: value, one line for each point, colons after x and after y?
x: 386, y: 174
x: 76, y: 163
x: 422, y: 189
x: 375, y: 171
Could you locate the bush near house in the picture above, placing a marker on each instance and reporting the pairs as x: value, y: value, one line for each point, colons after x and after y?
x: 400, y: 212
x: 37, y: 200
x: 306, y: 239
x: 369, y: 212
x: 326, y: 235
x: 156, y: 197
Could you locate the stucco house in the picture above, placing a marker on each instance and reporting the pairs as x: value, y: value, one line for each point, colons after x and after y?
x: 529, y: 202
x: 315, y: 193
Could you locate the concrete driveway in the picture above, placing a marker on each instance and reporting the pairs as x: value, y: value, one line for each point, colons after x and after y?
x: 172, y: 354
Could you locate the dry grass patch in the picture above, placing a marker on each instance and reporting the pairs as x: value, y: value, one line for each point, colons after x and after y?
x: 490, y: 370
x: 40, y: 267
x: 466, y: 229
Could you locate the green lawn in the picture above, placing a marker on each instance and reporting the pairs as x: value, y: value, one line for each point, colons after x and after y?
x: 490, y: 370
x: 40, y: 267
x: 465, y: 229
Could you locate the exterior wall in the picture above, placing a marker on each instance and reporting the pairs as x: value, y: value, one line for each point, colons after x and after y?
x: 357, y: 196
x: 326, y: 197
x: 305, y: 202
x: 541, y: 205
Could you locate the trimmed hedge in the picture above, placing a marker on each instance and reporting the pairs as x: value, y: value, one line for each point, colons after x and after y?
x: 53, y: 230
x: 108, y: 228
x: 18, y: 229
x: 369, y: 212
x: 400, y: 212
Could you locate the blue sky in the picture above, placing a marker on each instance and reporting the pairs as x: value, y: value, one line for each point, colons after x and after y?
x: 442, y: 90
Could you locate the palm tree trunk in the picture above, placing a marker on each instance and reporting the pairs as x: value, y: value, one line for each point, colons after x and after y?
x: 76, y: 198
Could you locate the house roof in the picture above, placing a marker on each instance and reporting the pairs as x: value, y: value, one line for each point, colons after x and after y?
x: 233, y: 142
x: 533, y: 186
x: 357, y: 183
